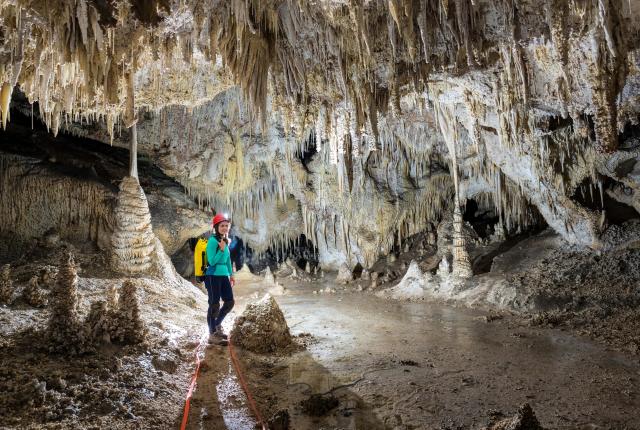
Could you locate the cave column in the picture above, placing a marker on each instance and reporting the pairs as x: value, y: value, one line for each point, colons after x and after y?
x: 132, y: 122
x: 133, y: 240
x: 461, y: 261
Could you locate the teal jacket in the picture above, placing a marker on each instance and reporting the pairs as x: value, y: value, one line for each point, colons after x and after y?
x: 219, y: 261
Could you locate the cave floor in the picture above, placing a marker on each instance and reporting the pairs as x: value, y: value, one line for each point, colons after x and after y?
x: 388, y: 364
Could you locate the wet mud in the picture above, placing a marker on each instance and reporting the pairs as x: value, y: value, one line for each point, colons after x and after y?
x: 371, y: 363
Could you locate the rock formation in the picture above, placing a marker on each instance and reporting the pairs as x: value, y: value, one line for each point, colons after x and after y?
x: 268, y: 276
x: 33, y: 294
x: 133, y: 238
x: 64, y: 330
x: 97, y: 323
x: 262, y: 328
x: 365, y: 275
x: 526, y: 103
x: 43, y: 189
x: 461, y: 260
x: 540, y: 97
x: 6, y: 285
x: 411, y: 287
x: 48, y: 276
x: 118, y: 318
x: 112, y: 298
x: 525, y: 419
x: 129, y: 328
x: 345, y: 275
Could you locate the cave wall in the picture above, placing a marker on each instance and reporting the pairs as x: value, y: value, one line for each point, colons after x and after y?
x: 35, y: 199
x: 67, y: 187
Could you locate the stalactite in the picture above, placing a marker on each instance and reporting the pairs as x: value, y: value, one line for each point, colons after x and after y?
x: 131, y: 123
x: 330, y: 79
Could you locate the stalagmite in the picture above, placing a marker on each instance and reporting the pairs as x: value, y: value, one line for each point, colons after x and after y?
x: 133, y: 237
x: 130, y: 328
x: 64, y: 330
x: 444, y: 269
x: 112, y: 298
x: 411, y: 287
x: 345, y: 275
x: 33, y: 294
x: 48, y: 276
x: 449, y: 129
x: 268, y: 276
x: 96, y: 324
x: 365, y: 276
x: 431, y: 238
x: 461, y: 261
x: 6, y: 286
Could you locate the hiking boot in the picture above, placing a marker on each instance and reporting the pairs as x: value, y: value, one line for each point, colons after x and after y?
x: 220, y: 333
x: 216, y: 339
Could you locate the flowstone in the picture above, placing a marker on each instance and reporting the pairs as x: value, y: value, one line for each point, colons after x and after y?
x: 262, y: 328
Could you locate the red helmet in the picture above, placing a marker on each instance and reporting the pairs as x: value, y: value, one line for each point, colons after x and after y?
x: 219, y: 218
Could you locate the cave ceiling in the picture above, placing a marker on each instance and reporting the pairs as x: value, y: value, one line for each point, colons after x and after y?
x: 516, y: 103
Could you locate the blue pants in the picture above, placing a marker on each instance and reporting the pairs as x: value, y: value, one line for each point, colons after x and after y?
x: 218, y: 287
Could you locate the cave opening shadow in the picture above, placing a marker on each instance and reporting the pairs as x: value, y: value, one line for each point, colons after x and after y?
x: 484, y: 223
x: 300, y: 250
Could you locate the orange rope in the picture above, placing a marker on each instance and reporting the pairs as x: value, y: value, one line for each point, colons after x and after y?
x: 243, y: 383
x: 245, y: 387
x: 194, y: 378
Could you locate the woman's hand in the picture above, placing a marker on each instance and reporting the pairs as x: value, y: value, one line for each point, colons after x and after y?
x: 222, y: 245
x: 233, y: 281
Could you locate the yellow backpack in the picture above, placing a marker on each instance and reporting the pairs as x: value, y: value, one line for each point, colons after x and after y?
x: 200, y: 259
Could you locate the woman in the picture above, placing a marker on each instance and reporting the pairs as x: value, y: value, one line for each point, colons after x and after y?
x: 219, y: 278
